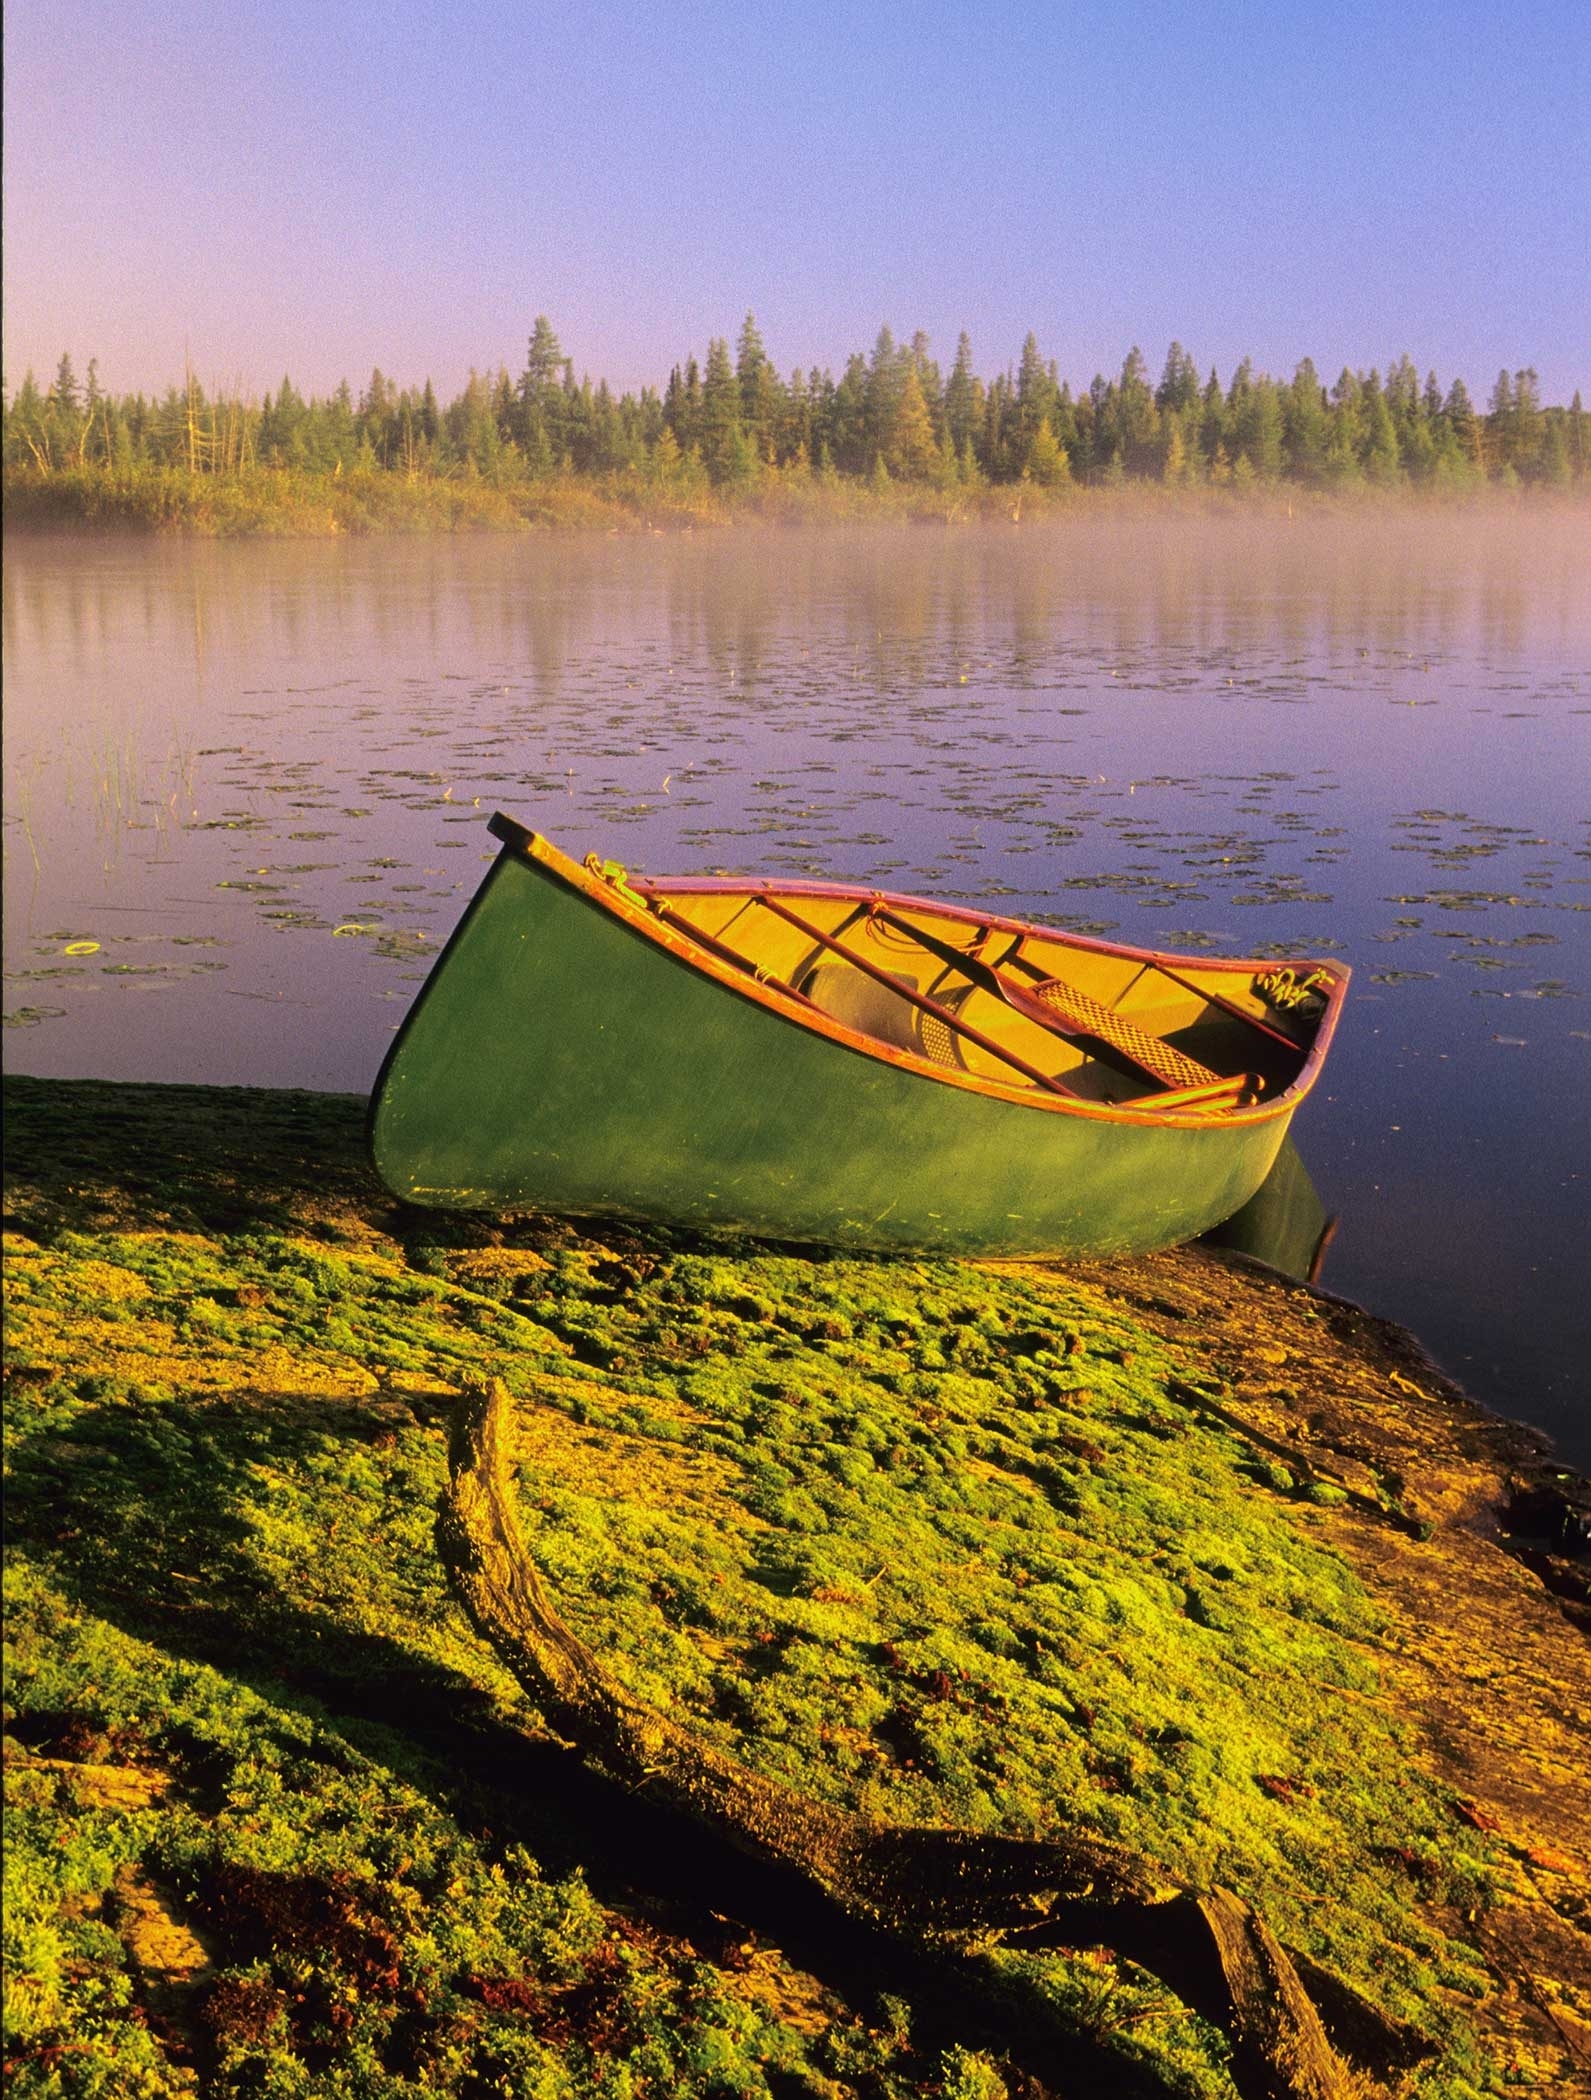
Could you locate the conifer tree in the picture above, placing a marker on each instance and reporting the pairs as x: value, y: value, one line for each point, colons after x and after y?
x: 1379, y: 442
x: 847, y: 420
x: 1305, y: 430
x: 1179, y: 382
x: 64, y: 394
x: 886, y: 377
x: 962, y: 404
x: 539, y: 423
x: 1257, y: 429
x: 725, y: 452
x: 1212, y: 423
x: 1134, y: 420
x: 1529, y: 424
x: 929, y: 380
x: 1035, y: 391
x: 1046, y: 460
x: 912, y: 454
x: 761, y: 396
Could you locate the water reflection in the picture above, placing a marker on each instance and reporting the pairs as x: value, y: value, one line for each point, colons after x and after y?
x: 257, y: 778
x: 1284, y: 1223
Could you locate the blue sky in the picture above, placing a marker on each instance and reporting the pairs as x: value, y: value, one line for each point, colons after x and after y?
x: 318, y: 188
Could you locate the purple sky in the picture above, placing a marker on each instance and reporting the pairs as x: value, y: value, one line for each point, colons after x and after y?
x: 319, y: 188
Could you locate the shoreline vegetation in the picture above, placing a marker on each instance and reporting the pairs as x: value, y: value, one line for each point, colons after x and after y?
x: 894, y: 438
x: 1166, y: 1565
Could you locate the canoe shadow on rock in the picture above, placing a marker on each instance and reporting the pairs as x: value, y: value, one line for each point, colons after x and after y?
x: 153, y: 1156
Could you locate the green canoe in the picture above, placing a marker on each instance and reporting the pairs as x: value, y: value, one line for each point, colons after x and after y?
x: 828, y: 1063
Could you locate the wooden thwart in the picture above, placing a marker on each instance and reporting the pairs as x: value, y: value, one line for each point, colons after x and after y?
x: 923, y: 1004
x: 1109, y: 1035
x: 1050, y: 1002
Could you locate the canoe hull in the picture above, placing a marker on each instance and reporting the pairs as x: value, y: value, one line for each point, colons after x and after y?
x: 558, y: 1059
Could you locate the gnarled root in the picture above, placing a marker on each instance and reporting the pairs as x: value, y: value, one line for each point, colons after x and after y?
x: 931, y: 1884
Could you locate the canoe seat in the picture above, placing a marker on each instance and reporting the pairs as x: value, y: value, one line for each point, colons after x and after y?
x: 861, y: 1002
x: 1172, y: 1067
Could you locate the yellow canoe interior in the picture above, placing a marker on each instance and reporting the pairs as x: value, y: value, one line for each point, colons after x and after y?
x: 1016, y: 1005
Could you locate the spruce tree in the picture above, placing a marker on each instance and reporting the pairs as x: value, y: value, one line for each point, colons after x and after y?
x: 886, y: 378
x: 1179, y: 381
x: 912, y: 454
x: 724, y: 449
x: 1304, y: 425
x: 961, y: 396
x: 64, y: 394
x: 761, y: 396
x: 1046, y: 461
x: 1379, y: 441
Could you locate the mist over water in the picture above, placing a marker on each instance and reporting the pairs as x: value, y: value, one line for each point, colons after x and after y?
x: 246, y: 788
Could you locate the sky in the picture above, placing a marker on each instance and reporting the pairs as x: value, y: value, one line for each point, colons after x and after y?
x: 319, y: 188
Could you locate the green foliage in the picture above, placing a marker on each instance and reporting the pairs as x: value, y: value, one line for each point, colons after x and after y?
x: 504, y: 452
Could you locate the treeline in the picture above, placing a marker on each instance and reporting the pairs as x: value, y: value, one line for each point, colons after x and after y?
x: 736, y: 425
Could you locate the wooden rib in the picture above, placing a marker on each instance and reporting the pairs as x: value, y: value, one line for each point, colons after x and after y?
x: 913, y: 998
x: 1230, y: 1006
x: 1054, y: 1004
x: 722, y: 949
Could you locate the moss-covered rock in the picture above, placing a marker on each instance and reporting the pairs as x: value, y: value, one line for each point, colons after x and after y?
x: 996, y: 1549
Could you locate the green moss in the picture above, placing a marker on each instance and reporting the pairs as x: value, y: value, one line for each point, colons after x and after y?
x: 939, y: 1543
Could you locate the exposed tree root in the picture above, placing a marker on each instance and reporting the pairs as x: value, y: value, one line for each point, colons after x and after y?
x: 935, y: 1885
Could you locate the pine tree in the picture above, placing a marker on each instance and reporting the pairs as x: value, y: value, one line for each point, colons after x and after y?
x: 725, y: 452
x: 1529, y: 423
x: 886, y: 378
x: 539, y: 425
x: 750, y: 358
x: 1379, y: 442
x: 962, y: 405
x: 929, y: 380
x: 795, y: 424
x: 847, y: 418
x: 1460, y: 413
x: 1345, y: 430
x: 761, y: 395
x: 1305, y: 430
x: 1257, y: 428
x: 27, y: 437
x: 1212, y: 424
x: 64, y: 394
x: 1552, y: 458
x: 1046, y: 459
x: 1179, y: 382
x: 1134, y: 421
x: 912, y: 454
x: 1035, y: 391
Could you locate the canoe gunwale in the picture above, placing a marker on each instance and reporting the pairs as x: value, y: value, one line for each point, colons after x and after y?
x: 520, y: 843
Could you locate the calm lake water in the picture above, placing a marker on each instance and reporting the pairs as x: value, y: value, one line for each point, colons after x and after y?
x: 246, y: 789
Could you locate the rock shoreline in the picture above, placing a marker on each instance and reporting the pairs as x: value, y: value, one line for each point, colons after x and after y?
x: 231, y: 1362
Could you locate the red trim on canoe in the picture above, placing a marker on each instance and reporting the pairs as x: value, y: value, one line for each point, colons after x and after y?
x: 780, y: 999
